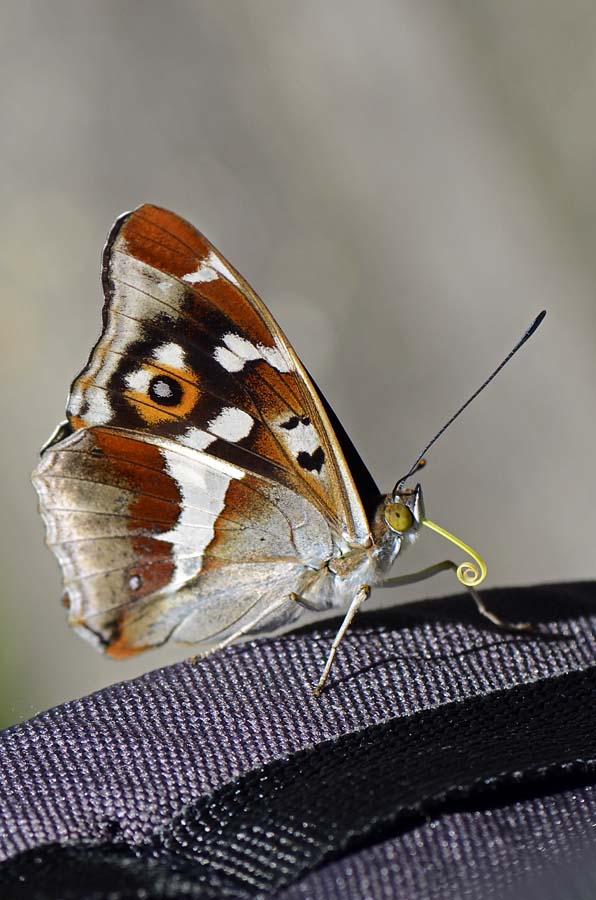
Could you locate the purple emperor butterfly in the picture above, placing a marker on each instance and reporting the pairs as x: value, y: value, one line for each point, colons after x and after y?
x: 201, y: 488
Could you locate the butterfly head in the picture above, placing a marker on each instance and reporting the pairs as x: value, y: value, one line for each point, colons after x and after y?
x: 403, y: 512
x: 396, y: 524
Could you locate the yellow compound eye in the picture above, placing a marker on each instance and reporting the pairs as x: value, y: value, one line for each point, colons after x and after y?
x: 398, y: 517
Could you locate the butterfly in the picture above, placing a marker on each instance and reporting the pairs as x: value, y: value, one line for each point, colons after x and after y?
x: 201, y: 488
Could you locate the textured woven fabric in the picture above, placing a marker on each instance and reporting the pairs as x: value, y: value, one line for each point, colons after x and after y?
x: 538, y: 849
x: 264, y: 831
x: 120, y: 764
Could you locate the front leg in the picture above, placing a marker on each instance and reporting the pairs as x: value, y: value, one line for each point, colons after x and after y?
x: 353, y: 608
x: 448, y: 564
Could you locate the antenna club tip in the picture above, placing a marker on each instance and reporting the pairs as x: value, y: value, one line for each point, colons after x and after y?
x: 537, y: 321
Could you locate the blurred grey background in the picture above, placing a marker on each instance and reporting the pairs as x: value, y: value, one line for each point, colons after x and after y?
x: 406, y: 184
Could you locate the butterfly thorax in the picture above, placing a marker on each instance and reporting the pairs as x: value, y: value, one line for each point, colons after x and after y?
x: 368, y: 562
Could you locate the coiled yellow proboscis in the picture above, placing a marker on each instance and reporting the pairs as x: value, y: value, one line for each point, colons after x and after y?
x: 469, y: 573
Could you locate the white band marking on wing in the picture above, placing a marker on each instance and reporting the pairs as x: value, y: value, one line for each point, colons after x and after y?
x: 138, y: 380
x: 197, y: 438
x: 209, y: 270
x: 231, y: 424
x: 203, y: 485
x: 171, y: 355
x: 238, y: 351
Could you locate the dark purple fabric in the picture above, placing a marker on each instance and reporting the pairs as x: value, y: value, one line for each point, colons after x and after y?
x: 127, y: 759
x: 518, y: 851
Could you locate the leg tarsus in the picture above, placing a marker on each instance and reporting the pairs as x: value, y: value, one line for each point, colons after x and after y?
x: 353, y: 608
x: 494, y: 618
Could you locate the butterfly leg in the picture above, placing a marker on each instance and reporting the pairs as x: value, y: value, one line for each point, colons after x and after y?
x: 480, y: 604
x: 494, y: 618
x: 353, y: 608
x: 311, y: 607
x: 422, y: 575
x: 244, y: 629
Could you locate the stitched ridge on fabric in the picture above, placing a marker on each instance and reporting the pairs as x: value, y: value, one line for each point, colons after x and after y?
x: 263, y: 831
x: 533, y: 847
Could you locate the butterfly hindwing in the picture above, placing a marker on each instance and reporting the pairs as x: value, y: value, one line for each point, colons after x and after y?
x: 156, y: 541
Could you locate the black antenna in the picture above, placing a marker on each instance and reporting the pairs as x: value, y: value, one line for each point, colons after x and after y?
x: 526, y: 336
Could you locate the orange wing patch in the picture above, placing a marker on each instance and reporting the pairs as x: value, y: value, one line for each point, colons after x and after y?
x: 168, y: 243
x: 159, y: 391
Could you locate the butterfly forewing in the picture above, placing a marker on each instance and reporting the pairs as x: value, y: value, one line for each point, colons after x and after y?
x: 189, y: 352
